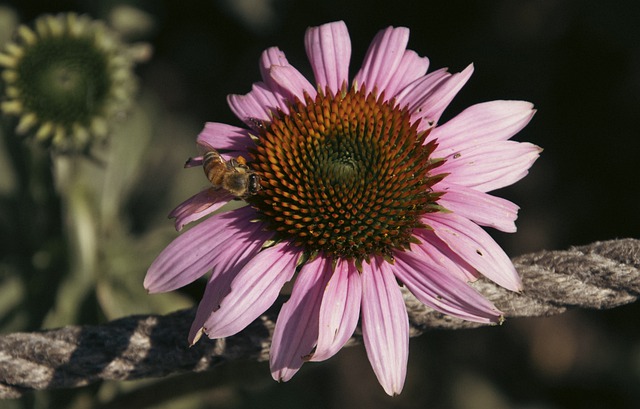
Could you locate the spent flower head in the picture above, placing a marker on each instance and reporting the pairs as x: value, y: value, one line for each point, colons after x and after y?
x: 66, y: 79
x: 361, y: 188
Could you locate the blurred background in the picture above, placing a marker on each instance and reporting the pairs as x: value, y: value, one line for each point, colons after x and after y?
x: 577, y: 61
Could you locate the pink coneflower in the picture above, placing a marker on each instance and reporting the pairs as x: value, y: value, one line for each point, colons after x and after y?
x: 360, y: 189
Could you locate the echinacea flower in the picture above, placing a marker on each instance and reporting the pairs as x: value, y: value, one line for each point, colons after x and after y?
x: 66, y: 79
x: 361, y: 189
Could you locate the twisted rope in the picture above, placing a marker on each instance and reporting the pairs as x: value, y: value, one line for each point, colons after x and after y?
x: 600, y: 275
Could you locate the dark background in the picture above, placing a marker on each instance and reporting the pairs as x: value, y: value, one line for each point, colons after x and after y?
x: 577, y: 61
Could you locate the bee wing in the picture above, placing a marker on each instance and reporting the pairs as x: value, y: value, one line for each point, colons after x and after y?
x: 230, y: 159
x: 204, y: 147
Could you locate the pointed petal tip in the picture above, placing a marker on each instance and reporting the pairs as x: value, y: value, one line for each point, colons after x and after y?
x: 519, y: 287
x: 195, y: 337
x: 146, y: 287
x: 283, y: 375
x: 193, y: 162
x: 153, y: 288
x: 513, y: 283
x: 394, y: 392
x: 393, y: 389
x: 385, y: 326
x: 515, y: 105
x: 149, y: 283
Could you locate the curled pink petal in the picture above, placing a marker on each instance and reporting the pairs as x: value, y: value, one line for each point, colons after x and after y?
x: 436, y: 287
x: 339, y: 311
x: 476, y: 247
x: 490, y: 166
x: 199, y: 205
x: 382, y: 59
x: 481, y: 123
x: 257, y: 105
x: 270, y: 57
x: 482, y: 208
x: 411, y: 68
x: 292, y: 82
x: 260, y: 281
x: 296, y: 330
x: 329, y: 51
x: 385, y: 325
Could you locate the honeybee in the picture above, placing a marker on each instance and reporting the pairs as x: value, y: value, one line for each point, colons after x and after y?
x: 233, y: 175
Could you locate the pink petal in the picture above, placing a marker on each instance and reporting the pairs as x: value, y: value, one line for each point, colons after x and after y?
x: 382, y: 59
x: 411, y: 68
x: 199, y: 205
x: 224, y: 137
x: 270, y: 57
x: 217, y: 288
x: 385, y: 325
x: 296, y: 330
x: 329, y: 51
x: 482, y: 123
x: 482, y: 208
x: 439, y: 289
x: 475, y: 247
x: 253, y: 290
x: 265, y: 97
x: 192, y: 253
x: 431, y: 106
x: 240, y: 248
x: 339, y: 311
x: 413, y: 93
x: 293, y: 83
x: 433, y: 248
x: 237, y: 253
x: 257, y: 105
x: 490, y: 166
